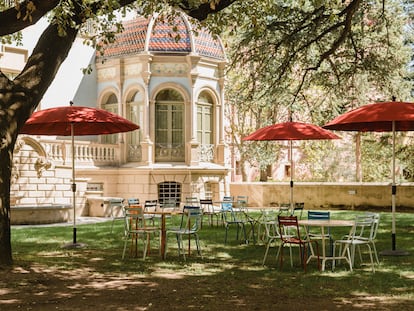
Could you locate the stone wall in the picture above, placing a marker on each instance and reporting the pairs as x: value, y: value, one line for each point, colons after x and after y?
x: 25, y: 215
x: 37, y: 181
x: 326, y: 195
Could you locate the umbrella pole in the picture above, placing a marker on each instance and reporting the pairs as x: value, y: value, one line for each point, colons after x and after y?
x: 73, y: 184
x: 291, y: 176
x: 393, y: 251
x: 393, y: 189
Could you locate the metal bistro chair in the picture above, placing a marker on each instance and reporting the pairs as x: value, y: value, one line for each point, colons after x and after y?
x: 190, y: 225
x: 209, y: 211
x: 270, y: 223
x: 242, y: 200
x: 235, y: 218
x: 169, y: 203
x: 135, y: 226
x: 266, y: 216
x: 290, y: 234
x: 362, y: 233
x: 150, y: 206
x: 298, y: 208
x: 228, y: 198
x: 194, y: 201
x: 116, y: 209
x: 242, y: 206
x: 284, y: 209
x: 133, y: 201
x: 315, y: 234
x: 373, y: 235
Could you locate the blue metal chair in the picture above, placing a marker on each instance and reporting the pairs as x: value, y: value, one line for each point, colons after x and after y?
x: 233, y: 217
x: 321, y: 215
x: 133, y: 201
x: 190, y: 225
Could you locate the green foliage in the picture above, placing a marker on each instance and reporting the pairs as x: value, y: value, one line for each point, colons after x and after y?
x: 319, y: 162
x: 376, y: 155
x: 312, y: 60
x: 261, y: 154
x: 13, y: 38
x: 404, y: 153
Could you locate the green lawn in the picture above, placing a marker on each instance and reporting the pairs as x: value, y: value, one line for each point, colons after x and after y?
x: 240, y: 264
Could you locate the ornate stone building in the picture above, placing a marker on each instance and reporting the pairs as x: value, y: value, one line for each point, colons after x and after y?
x: 163, y: 76
x: 166, y: 75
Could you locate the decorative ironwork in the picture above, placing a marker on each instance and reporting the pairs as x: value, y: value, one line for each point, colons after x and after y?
x: 206, y: 153
x: 169, y: 152
x: 134, y: 153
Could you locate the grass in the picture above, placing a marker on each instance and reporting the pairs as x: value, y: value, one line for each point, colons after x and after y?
x: 240, y: 264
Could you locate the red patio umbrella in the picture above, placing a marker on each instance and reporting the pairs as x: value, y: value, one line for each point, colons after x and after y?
x: 379, y: 117
x: 291, y: 131
x: 75, y: 121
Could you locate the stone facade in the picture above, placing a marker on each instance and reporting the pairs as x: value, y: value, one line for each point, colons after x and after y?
x: 146, y: 74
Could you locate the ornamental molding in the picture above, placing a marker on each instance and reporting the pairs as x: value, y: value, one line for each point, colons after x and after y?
x: 179, y: 69
x: 133, y: 69
x: 41, y: 162
x: 106, y: 73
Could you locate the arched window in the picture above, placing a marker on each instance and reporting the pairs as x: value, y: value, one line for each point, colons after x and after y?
x: 205, y: 119
x: 169, y: 126
x: 135, y: 113
x: 111, y: 105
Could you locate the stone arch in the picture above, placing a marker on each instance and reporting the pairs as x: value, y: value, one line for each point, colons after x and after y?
x: 211, y: 92
x: 170, y: 85
x: 37, y: 146
x: 134, y: 106
x: 170, y: 115
x: 130, y: 90
x: 105, y: 94
x: 109, y: 100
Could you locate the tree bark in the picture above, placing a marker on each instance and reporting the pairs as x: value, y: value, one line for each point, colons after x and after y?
x: 18, y: 99
x: 9, y: 23
x: 5, y: 173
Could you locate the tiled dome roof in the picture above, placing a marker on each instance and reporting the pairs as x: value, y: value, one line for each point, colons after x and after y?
x: 161, y: 35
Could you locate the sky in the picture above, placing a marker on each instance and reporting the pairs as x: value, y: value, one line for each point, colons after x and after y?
x: 68, y: 78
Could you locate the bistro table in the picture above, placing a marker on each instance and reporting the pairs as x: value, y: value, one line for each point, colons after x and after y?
x: 163, y: 213
x: 326, y: 223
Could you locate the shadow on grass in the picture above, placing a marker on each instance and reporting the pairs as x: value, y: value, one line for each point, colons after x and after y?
x: 47, y: 276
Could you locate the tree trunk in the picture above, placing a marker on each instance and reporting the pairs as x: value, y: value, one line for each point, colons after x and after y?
x: 263, y: 175
x: 18, y: 99
x: 5, y: 173
x: 243, y: 168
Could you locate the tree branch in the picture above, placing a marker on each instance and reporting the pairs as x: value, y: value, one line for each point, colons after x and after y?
x: 206, y: 8
x: 10, y: 23
x: 350, y: 11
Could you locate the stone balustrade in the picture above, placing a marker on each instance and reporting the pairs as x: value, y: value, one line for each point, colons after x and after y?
x: 60, y: 151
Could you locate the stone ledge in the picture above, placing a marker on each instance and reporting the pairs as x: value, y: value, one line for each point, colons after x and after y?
x: 42, y: 214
